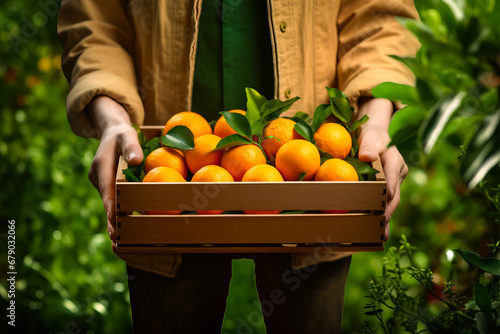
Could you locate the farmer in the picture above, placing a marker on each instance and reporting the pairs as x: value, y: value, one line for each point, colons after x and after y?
x: 143, y: 61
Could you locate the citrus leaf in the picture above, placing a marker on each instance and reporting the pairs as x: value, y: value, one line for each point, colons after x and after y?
x: 355, y: 146
x: 357, y: 123
x: 361, y: 167
x: 439, y: 115
x: 212, y: 124
x: 254, y: 104
x: 490, y: 265
x: 272, y: 109
x: 324, y: 156
x: 231, y: 141
x: 302, y: 175
x: 179, y: 137
x: 320, y: 114
x: 482, y: 297
x: 334, y: 92
x: 129, y: 175
x: 303, y: 116
x: 341, y: 108
x: 238, y: 123
x: 140, y: 136
x: 396, y: 92
x: 304, y: 130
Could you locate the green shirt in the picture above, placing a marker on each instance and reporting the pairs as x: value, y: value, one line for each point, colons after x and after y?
x: 234, y: 52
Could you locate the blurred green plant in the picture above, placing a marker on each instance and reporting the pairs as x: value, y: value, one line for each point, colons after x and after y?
x: 397, y: 302
x: 449, y: 134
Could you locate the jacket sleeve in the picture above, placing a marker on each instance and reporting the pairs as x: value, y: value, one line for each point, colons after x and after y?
x: 368, y: 34
x: 97, y: 40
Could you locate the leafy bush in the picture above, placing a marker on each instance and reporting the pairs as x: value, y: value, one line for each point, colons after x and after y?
x: 449, y: 134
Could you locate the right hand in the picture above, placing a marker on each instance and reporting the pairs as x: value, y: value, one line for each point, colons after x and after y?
x: 117, y: 137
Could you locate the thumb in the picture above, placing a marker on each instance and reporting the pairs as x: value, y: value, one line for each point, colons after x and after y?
x: 130, y: 148
x: 369, y: 145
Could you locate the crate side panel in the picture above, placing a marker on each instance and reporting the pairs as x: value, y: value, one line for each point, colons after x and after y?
x: 192, y: 229
x: 134, y: 196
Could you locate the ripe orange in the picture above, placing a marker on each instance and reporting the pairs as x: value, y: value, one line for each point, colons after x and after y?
x: 195, y: 122
x: 262, y: 173
x: 211, y: 173
x: 237, y: 160
x: 166, y: 157
x: 201, y: 154
x: 222, y: 129
x: 334, y: 139
x: 298, y: 156
x: 163, y: 174
x: 336, y: 170
x: 281, y: 128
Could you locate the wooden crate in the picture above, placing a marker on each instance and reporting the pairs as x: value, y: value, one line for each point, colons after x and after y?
x: 239, y: 233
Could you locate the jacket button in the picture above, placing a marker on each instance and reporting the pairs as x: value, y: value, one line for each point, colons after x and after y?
x: 283, y: 26
x: 288, y: 93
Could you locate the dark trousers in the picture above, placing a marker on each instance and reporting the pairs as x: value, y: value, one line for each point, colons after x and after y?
x: 308, y: 300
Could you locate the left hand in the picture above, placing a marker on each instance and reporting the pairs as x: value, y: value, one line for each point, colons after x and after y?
x: 373, y: 141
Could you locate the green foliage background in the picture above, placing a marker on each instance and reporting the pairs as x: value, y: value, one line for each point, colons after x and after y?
x: 67, y: 276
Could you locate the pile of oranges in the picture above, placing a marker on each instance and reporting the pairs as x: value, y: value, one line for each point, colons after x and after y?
x: 279, y: 154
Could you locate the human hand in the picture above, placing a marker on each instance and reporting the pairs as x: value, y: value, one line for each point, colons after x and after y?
x: 373, y: 142
x: 117, y: 137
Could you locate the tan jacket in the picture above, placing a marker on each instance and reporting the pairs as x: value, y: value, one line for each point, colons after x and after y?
x: 142, y: 53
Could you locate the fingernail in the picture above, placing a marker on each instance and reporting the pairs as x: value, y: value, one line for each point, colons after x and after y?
x: 131, y: 156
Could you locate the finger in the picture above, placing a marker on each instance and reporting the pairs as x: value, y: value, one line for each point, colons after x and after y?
x: 128, y: 144
x: 102, y: 175
x: 395, y: 170
x: 369, y: 145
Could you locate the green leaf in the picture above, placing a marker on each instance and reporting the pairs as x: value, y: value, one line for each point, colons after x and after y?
x: 405, y: 124
x: 179, y: 137
x: 238, y: 122
x: 141, y: 137
x: 490, y: 265
x: 129, y: 175
x: 440, y: 114
x: 303, y: 116
x: 482, y: 297
x: 483, y: 153
x: 341, y: 108
x: 361, y: 167
x: 484, y: 323
x: 355, y: 146
x: 396, y: 92
x: 254, y: 104
x: 320, y: 114
x: 231, y: 141
x: 357, y: 123
x: 334, y: 92
x: 302, y: 175
x: 304, y: 130
x: 324, y: 156
x: 272, y: 109
x: 374, y: 312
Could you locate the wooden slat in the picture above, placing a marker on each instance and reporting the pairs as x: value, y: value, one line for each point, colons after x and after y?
x: 192, y: 196
x: 377, y: 164
x: 152, y: 131
x: 241, y: 229
x: 147, y: 249
x: 120, y: 177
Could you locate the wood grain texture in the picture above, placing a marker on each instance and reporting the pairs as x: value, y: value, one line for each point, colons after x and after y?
x: 247, y: 229
x: 315, y: 249
x: 192, y: 196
